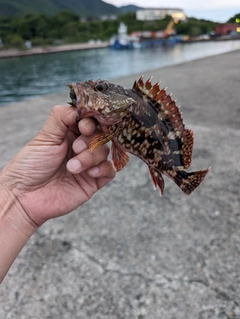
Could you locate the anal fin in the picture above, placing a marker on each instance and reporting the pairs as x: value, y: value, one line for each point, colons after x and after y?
x: 157, y: 180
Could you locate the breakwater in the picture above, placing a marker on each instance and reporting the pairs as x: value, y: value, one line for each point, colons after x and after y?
x: 11, y: 53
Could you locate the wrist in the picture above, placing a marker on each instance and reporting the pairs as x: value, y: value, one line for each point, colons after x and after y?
x: 12, y: 210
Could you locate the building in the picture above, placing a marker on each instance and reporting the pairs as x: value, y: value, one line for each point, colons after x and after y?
x: 110, y: 17
x: 152, y: 14
x: 226, y: 28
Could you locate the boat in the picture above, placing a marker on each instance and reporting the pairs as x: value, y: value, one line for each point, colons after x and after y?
x: 144, y: 39
x: 122, y: 41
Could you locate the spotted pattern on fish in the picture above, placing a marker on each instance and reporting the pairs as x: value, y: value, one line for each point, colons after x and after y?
x: 144, y: 121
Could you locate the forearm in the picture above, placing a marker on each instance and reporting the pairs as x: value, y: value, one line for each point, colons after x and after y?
x: 15, y: 230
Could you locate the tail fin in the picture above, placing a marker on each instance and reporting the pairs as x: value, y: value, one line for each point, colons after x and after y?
x: 188, y: 181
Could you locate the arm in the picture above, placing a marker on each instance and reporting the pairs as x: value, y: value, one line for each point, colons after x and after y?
x: 51, y: 176
x: 15, y: 230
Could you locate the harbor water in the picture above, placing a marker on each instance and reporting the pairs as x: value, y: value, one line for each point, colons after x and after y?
x: 25, y: 77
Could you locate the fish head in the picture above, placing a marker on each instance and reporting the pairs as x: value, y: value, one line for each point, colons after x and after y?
x: 106, y: 102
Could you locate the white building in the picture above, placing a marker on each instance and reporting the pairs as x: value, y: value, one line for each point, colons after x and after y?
x: 151, y: 14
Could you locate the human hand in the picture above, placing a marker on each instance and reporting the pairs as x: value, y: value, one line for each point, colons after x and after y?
x: 55, y: 172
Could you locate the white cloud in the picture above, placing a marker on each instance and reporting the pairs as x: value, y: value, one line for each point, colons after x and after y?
x: 185, y: 4
x: 215, y: 10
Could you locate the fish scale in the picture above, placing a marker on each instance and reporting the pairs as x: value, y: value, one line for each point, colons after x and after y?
x: 143, y: 121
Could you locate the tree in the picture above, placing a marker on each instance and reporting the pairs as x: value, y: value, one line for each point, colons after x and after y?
x: 235, y: 19
x: 63, y: 17
x: 15, y: 40
x: 31, y: 25
x: 194, y: 27
x: 66, y: 27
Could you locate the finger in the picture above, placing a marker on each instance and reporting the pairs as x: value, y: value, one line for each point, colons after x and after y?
x: 74, y: 128
x: 104, y: 169
x: 87, y: 126
x: 57, y: 124
x: 82, y: 142
x: 87, y: 159
x: 103, y: 173
x: 103, y: 181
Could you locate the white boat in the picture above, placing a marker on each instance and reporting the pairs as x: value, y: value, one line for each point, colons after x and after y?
x: 122, y: 40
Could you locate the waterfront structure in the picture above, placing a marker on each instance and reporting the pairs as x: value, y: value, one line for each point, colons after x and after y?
x: 226, y: 28
x: 143, y: 39
x: 152, y: 14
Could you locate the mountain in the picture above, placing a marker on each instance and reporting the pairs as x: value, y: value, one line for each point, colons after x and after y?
x: 129, y: 8
x: 50, y: 7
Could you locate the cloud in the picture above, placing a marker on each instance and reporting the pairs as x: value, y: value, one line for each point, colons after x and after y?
x: 184, y: 4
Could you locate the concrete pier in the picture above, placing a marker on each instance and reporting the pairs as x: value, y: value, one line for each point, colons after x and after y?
x: 128, y: 253
x: 11, y: 53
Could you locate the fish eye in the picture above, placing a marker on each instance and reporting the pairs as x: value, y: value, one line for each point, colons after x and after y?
x: 101, y: 87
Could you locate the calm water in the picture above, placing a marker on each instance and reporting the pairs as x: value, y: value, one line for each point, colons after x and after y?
x: 26, y: 77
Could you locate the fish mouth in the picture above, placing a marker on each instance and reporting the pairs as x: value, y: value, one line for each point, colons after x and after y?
x: 73, y: 96
x: 78, y: 96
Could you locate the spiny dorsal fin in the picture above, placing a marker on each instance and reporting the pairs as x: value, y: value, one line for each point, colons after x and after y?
x: 169, y: 115
x: 163, y: 102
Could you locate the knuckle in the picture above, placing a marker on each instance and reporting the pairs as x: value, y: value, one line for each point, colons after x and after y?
x: 55, y: 110
x: 87, y: 126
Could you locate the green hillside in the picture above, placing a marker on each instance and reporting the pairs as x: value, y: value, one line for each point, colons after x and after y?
x: 51, y: 7
x: 129, y: 8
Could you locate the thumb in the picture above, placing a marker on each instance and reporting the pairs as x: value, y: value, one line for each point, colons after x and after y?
x: 57, y: 124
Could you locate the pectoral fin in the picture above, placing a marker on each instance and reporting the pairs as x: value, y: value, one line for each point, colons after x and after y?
x: 119, y: 156
x: 99, y: 139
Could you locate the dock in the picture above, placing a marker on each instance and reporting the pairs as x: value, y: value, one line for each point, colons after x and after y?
x: 128, y: 253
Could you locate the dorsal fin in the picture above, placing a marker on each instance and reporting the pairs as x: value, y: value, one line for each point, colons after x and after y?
x: 163, y: 102
x: 169, y: 115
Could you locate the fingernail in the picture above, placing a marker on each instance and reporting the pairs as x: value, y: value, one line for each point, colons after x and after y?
x: 94, y: 170
x: 79, y: 146
x: 74, y: 165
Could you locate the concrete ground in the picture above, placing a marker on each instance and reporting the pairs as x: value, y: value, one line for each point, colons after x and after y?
x: 129, y: 254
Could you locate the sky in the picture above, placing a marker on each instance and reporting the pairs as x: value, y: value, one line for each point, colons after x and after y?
x: 215, y: 10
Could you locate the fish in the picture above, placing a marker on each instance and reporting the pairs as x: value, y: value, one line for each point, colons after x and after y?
x: 143, y: 121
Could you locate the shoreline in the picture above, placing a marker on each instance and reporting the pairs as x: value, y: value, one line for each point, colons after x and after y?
x: 12, y: 53
x: 121, y: 80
